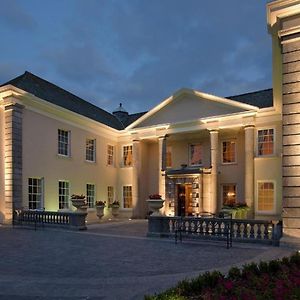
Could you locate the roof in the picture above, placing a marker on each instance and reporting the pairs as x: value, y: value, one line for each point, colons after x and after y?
x: 58, y: 96
x: 261, y: 99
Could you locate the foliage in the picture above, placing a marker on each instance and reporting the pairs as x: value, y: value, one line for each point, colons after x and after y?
x: 236, y: 206
x: 115, y: 204
x: 277, y: 279
x: 75, y: 196
x: 100, y: 203
x: 155, y: 196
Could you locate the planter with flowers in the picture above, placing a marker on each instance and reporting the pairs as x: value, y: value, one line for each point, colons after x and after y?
x: 237, y: 210
x: 79, y: 202
x: 115, y: 208
x: 155, y: 203
x: 100, y: 205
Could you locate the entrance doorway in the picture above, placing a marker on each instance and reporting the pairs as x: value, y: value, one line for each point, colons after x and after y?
x: 184, y: 199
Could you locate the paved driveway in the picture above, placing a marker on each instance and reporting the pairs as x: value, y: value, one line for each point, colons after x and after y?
x: 109, y: 261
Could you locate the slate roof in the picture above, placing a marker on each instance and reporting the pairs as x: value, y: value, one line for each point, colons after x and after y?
x: 261, y: 99
x: 58, y: 96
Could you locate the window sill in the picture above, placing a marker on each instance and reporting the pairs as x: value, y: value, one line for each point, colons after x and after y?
x: 229, y: 164
x: 126, y: 167
x: 61, y: 156
x: 90, y: 162
x: 110, y: 166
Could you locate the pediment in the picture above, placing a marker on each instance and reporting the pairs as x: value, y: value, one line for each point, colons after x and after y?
x: 188, y: 106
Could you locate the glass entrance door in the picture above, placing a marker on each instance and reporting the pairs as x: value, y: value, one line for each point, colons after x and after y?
x: 184, y: 199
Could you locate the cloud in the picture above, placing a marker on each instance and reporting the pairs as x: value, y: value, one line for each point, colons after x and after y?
x: 13, y: 15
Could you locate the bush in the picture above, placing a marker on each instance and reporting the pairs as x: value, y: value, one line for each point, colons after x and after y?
x: 266, y: 280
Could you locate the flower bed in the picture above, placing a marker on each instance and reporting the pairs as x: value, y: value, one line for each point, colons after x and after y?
x: 278, y: 280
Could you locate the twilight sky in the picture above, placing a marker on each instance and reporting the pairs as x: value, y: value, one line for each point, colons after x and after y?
x: 137, y: 52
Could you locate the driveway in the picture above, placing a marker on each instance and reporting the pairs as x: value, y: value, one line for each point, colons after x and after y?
x: 108, y: 261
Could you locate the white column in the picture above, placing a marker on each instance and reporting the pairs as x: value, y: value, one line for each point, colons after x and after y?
x: 249, y: 169
x: 161, y: 165
x: 214, y: 150
x: 136, y: 167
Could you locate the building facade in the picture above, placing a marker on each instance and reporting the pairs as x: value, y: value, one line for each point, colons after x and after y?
x: 199, y: 151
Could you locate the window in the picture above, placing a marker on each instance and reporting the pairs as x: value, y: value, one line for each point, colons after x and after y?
x: 265, y: 141
x: 35, y: 193
x: 228, y: 152
x: 195, y: 154
x: 127, y: 156
x: 169, y: 157
x: 90, y: 195
x: 63, y: 194
x: 127, y: 196
x: 63, y: 142
x: 110, y: 155
x: 90, y: 147
x: 110, y: 194
x: 265, y: 196
x: 229, y: 194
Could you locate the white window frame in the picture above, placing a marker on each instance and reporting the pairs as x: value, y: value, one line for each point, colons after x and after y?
x: 94, y: 150
x: 274, y: 141
x: 123, y: 157
x: 110, y: 201
x: 266, y: 212
x: 222, y: 192
x: 123, y: 204
x: 88, y: 196
x: 109, y: 155
x: 235, y: 152
x: 68, y: 195
x: 189, y: 154
x: 68, y: 144
x: 41, y: 194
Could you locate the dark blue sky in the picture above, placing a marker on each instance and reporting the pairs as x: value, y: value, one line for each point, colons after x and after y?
x: 137, y: 52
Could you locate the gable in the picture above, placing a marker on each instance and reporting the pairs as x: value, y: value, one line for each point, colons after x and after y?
x: 187, y: 107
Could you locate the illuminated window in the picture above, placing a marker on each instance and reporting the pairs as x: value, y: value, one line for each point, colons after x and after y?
x: 110, y: 194
x: 127, y: 156
x: 63, y: 194
x: 90, y: 195
x: 35, y: 193
x: 90, y: 150
x: 110, y: 155
x: 169, y: 157
x: 265, y: 196
x: 228, y: 152
x: 195, y: 154
x: 63, y: 142
x: 127, y: 196
x: 229, y: 194
x: 265, y: 141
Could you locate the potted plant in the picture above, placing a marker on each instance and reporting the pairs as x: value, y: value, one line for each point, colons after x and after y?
x: 155, y: 203
x: 115, y: 208
x: 242, y: 211
x: 100, y: 208
x: 229, y: 208
x: 79, y: 202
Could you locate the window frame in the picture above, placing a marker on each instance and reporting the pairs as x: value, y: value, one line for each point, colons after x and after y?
x: 222, y: 192
x: 112, y: 164
x: 110, y: 201
x: 68, y: 144
x: 87, y: 195
x: 189, y: 154
x: 94, y: 150
x: 41, y: 203
x: 274, y: 141
x: 235, y: 152
x: 123, y: 157
x: 123, y: 202
x: 68, y: 196
x: 265, y: 212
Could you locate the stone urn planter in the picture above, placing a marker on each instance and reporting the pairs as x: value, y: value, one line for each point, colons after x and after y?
x: 79, y: 202
x: 155, y: 205
x: 115, y: 206
x: 100, y: 205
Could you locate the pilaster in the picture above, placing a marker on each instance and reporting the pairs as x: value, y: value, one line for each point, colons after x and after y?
x: 249, y: 169
x: 13, y: 114
x: 162, y: 148
x: 214, y: 150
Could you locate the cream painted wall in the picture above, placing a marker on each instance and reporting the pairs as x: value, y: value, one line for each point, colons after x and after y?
x: 2, y: 193
x: 40, y: 159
